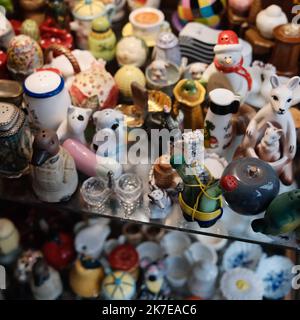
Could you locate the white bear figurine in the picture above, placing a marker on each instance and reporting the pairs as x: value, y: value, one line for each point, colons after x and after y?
x: 74, y: 126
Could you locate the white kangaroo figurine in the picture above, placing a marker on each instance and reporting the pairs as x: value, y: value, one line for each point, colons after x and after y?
x: 277, y: 112
x: 269, y: 147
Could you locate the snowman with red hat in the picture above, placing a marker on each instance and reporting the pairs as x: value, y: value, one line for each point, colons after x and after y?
x: 227, y: 70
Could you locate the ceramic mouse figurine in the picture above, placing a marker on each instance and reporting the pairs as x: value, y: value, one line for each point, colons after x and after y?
x: 53, y: 171
x: 74, y: 126
x: 160, y: 204
x: 45, y: 281
x: 277, y: 112
x: 269, y: 147
x: 282, y: 215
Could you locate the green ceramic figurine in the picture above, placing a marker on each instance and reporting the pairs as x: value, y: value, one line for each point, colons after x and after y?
x: 282, y: 215
x: 30, y: 28
x: 102, y: 40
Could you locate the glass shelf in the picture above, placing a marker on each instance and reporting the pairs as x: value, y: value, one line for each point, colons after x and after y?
x: 230, y: 226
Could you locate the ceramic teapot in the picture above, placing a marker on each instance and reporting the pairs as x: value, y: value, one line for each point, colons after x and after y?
x: 84, y: 12
x: 15, y: 141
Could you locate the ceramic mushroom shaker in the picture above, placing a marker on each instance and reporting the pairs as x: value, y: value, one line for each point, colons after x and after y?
x: 53, y: 171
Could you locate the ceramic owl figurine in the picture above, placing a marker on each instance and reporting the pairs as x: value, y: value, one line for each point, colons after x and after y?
x: 53, y: 171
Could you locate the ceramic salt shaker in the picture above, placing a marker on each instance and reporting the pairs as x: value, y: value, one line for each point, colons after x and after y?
x: 6, y: 29
x: 218, y: 125
x: 45, y: 281
x: 15, y: 141
x: 267, y: 20
x: 167, y: 48
x: 54, y: 175
x: 47, y: 99
x: 202, y: 282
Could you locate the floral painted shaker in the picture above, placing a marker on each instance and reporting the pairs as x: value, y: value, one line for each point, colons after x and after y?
x: 15, y: 141
x: 24, y: 55
x: 47, y: 99
x: 218, y: 124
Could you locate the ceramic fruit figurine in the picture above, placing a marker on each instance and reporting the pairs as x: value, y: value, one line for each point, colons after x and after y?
x: 25, y: 264
x: 6, y: 29
x: 47, y: 99
x: 167, y: 48
x: 277, y: 112
x: 162, y: 75
x: 94, y: 88
x: 15, y: 141
x: 9, y: 242
x: 118, y: 285
x: 74, y: 125
x: 86, y: 277
x: 249, y: 185
x: 45, y: 281
x: 90, y: 240
x: 53, y: 171
x: 125, y: 76
x: 208, y: 13
x: 110, y: 126
x: 160, y: 204
x: 189, y: 96
x: 202, y: 282
x: 268, y: 19
x: 102, y: 40
x: 125, y: 258
x: 24, y: 55
x: 131, y: 51
x: 59, y: 250
x: 89, y: 163
x: 30, y: 28
x: 84, y: 12
x: 218, y: 121
x: 155, y: 286
x: 33, y: 9
x: 282, y: 215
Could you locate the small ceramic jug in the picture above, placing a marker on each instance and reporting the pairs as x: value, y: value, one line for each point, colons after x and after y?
x: 218, y: 126
x: 15, y: 141
x: 102, y: 40
x: 202, y: 282
x: 47, y: 99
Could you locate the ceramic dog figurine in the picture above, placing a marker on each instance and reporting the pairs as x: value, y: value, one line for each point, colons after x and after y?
x: 269, y: 147
x: 25, y: 264
x: 197, y: 69
x: 74, y: 126
x: 45, y: 282
x: 53, y: 171
x: 282, y: 215
x: 158, y: 71
x: 277, y: 111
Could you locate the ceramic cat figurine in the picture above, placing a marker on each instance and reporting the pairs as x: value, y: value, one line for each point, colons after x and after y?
x: 269, y: 147
x: 74, y: 126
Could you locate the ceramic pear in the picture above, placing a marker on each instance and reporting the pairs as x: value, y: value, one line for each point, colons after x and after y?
x: 53, y: 171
